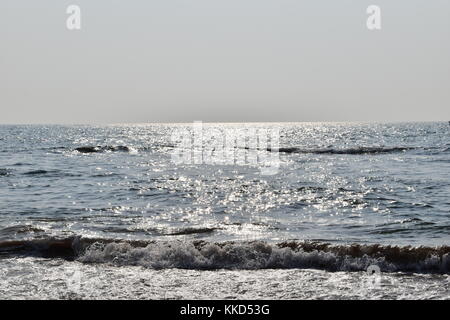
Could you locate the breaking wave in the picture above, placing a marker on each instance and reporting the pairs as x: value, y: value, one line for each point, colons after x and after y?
x: 100, y: 149
x: 5, y: 172
x: 202, y: 255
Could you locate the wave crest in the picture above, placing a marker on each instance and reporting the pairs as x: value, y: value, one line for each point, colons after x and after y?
x: 203, y: 255
x: 262, y: 255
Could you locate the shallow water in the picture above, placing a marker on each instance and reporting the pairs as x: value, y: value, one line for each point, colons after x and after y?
x: 34, y: 278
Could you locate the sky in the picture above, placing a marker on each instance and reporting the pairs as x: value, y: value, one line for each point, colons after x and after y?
x: 223, y: 61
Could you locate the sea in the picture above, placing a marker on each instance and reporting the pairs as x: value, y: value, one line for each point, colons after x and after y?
x: 349, y: 211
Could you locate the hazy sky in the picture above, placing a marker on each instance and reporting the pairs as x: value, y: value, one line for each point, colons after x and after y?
x: 223, y: 60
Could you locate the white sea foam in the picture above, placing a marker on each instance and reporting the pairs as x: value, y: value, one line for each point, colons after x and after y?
x: 36, y: 278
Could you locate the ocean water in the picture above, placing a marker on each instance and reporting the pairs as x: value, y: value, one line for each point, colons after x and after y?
x: 105, y: 212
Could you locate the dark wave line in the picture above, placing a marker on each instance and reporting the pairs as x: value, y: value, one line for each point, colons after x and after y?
x: 20, y: 229
x: 37, y: 172
x: 289, y: 150
x: 100, y: 149
x: 188, y: 231
x: 351, y: 151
